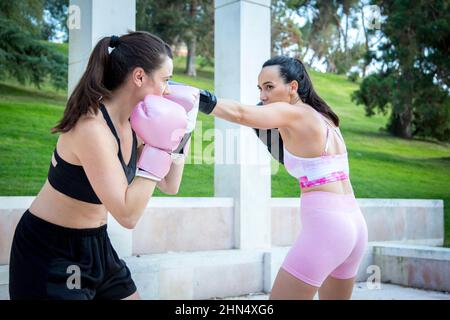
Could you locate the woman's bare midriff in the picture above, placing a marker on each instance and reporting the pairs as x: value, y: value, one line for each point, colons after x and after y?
x: 57, y: 208
x: 339, y: 187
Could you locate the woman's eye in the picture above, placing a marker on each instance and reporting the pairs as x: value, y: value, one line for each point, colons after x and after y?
x: 269, y: 87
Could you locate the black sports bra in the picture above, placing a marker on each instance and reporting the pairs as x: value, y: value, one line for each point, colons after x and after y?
x: 71, y: 179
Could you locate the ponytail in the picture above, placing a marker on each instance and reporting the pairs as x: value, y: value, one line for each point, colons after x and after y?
x: 89, y: 90
x: 293, y: 69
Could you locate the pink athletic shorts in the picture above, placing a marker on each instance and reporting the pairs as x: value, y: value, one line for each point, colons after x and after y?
x: 332, y: 239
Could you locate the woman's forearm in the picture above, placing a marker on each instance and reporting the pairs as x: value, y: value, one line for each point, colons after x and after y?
x: 137, y: 196
x: 172, y: 181
x: 136, y: 199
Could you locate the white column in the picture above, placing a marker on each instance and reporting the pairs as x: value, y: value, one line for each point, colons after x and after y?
x: 88, y: 22
x: 242, y: 167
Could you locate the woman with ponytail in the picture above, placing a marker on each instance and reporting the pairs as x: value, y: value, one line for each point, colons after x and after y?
x: 61, y: 249
x: 326, y: 255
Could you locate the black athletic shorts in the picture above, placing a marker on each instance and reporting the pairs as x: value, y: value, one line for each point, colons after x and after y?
x: 54, y: 262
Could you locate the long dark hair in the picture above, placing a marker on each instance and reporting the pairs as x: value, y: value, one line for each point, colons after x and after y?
x: 107, y: 70
x: 293, y: 69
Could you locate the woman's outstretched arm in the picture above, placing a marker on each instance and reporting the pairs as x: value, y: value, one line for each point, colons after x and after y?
x: 273, y: 115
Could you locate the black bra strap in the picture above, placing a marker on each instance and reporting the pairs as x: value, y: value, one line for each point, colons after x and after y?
x: 57, y: 157
x: 60, y: 162
x: 114, y: 132
x: 109, y: 122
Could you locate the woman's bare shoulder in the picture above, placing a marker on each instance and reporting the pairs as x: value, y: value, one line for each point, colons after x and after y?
x: 91, y: 128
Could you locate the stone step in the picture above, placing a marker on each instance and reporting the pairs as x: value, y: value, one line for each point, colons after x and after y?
x: 413, y: 266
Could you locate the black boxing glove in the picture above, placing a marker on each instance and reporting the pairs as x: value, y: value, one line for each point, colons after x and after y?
x: 207, y: 102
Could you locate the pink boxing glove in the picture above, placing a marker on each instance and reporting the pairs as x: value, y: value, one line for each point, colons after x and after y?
x: 162, y: 124
x: 188, y: 98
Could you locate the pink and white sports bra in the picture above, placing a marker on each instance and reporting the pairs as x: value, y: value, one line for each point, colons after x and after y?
x: 318, y: 170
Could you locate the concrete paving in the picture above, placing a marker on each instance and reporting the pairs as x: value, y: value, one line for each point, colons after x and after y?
x: 362, y: 292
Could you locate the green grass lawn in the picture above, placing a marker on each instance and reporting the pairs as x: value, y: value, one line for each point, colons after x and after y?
x: 382, y: 166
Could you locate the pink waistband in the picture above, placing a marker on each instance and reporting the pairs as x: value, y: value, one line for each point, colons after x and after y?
x: 332, y: 177
x: 328, y: 200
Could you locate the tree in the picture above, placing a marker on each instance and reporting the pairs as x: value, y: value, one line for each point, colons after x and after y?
x: 26, y: 14
x: 161, y: 17
x: 286, y: 35
x: 367, y: 56
x: 324, y: 33
x: 55, y: 12
x: 190, y: 22
x: 199, y: 28
x: 414, y: 81
x: 342, y: 61
x: 23, y: 55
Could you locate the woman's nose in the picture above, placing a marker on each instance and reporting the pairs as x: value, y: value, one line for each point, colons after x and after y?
x: 166, y: 90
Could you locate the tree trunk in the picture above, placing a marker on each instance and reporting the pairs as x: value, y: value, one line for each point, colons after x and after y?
x: 303, y: 55
x: 401, y: 124
x: 366, y: 43
x: 402, y: 112
x: 337, y: 21
x: 191, y: 41
x: 405, y: 90
x: 331, y: 66
x: 312, y: 59
x: 346, y: 34
x: 190, y: 61
x: 406, y: 120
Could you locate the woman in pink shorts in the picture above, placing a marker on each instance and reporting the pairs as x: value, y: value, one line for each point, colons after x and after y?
x: 326, y: 255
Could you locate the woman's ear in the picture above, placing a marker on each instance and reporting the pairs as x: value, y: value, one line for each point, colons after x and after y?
x: 138, y: 76
x: 294, y: 86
